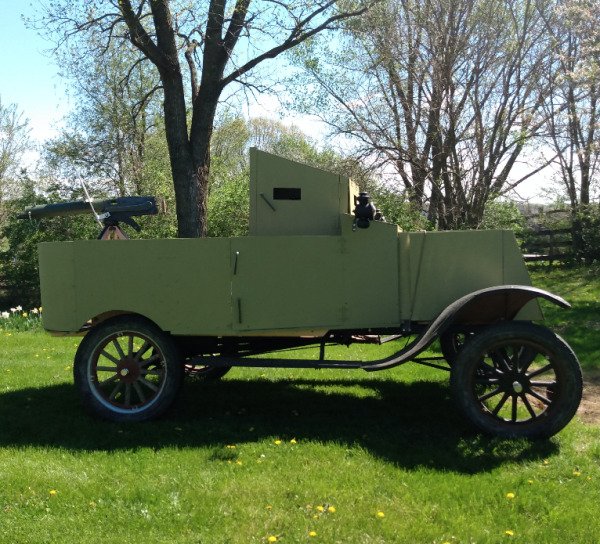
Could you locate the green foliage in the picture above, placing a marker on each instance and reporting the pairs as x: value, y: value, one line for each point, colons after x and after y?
x: 503, y: 214
x: 19, y: 256
x: 228, y: 206
x: 14, y: 141
x: 117, y: 103
x: 397, y: 209
x: 589, y: 224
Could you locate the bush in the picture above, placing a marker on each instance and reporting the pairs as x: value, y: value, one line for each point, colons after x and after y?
x: 588, y: 221
x: 397, y: 209
x: 504, y: 215
x: 19, y: 269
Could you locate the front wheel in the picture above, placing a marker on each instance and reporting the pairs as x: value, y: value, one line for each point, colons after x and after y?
x: 517, y: 379
x: 127, y: 369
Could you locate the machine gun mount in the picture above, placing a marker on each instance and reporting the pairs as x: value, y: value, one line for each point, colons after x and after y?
x: 110, y: 213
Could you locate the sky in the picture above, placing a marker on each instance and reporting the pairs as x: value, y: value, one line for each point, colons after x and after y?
x: 29, y: 78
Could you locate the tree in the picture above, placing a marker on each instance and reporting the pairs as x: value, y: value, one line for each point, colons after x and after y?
x: 443, y: 95
x: 14, y: 141
x: 115, y: 109
x: 574, y: 105
x: 222, y: 43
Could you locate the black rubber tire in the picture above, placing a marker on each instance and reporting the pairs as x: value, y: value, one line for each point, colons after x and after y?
x: 154, y: 381
x: 517, y: 378
x: 206, y: 373
x: 452, y: 343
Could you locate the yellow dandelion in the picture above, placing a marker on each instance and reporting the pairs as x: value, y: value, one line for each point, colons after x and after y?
x: 546, y: 462
x: 576, y: 473
x: 269, y: 507
x: 316, y: 516
x: 312, y: 533
x: 510, y: 495
x: 277, y: 442
x: 272, y: 539
x: 293, y: 441
x: 331, y: 509
x: 508, y: 532
x: 24, y: 314
x: 380, y: 514
x: 529, y: 481
x: 321, y: 508
x: 230, y: 447
x: 53, y: 492
x: 238, y: 462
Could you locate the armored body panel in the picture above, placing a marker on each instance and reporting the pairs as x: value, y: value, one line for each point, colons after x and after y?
x: 275, y: 285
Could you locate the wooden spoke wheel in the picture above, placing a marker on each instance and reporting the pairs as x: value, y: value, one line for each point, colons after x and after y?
x: 517, y: 379
x: 205, y: 372
x: 127, y: 369
x: 452, y: 343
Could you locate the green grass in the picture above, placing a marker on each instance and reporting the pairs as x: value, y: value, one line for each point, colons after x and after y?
x: 212, y: 472
x: 579, y: 325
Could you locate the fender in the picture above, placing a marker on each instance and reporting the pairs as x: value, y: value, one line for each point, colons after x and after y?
x: 500, y: 303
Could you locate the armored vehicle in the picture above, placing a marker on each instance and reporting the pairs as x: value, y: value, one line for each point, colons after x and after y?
x: 318, y: 268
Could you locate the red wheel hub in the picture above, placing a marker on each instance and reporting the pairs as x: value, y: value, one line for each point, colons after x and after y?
x: 128, y: 370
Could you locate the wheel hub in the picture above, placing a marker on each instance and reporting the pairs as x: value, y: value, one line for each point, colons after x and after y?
x: 128, y: 370
x: 517, y: 387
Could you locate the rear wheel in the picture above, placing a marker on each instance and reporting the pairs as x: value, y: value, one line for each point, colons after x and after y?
x: 517, y: 379
x: 452, y: 343
x: 127, y: 369
x: 206, y: 372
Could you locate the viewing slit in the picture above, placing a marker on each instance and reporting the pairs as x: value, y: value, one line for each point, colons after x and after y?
x: 287, y: 193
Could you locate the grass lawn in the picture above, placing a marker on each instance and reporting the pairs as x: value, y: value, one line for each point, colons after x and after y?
x: 344, y: 456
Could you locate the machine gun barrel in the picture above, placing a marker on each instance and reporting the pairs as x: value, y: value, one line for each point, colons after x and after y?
x: 118, y: 208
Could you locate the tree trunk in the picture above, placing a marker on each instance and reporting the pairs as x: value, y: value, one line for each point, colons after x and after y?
x: 185, y: 178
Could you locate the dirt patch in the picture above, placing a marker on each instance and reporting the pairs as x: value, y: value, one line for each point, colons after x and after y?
x: 589, y: 409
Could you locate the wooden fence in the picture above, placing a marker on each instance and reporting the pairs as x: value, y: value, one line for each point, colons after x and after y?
x: 547, y: 245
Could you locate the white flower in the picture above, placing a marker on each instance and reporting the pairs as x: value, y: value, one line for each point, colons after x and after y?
x: 5, y: 315
x: 19, y: 308
x: 35, y: 311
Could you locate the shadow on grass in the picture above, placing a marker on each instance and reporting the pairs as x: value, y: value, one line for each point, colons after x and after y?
x: 410, y: 425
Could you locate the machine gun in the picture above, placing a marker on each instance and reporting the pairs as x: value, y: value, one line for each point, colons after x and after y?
x: 109, y: 213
